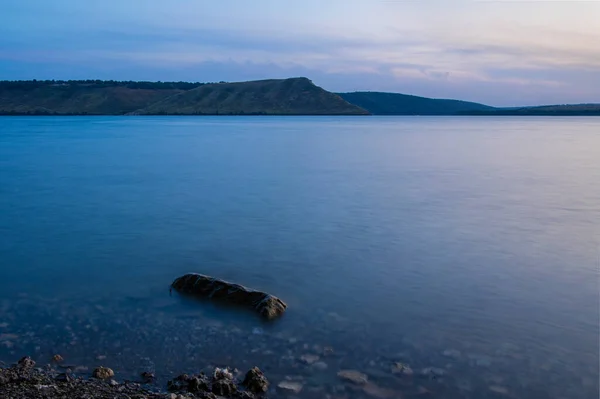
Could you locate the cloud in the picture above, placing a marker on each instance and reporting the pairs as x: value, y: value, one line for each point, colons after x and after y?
x: 487, y: 52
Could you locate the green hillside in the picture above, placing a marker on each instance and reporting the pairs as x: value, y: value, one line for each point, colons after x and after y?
x: 294, y: 96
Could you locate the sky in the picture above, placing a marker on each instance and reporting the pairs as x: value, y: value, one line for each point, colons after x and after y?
x: 502, y: 53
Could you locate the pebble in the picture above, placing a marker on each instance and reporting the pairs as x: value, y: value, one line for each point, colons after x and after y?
x: 57, y: 358
x: 353, y: 376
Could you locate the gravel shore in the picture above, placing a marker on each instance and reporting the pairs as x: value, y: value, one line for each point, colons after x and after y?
x: 26, y: 381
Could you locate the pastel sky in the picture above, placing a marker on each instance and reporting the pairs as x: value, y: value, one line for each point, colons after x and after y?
x: 497, y: 52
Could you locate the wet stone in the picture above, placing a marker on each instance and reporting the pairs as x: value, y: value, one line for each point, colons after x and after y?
x: 224, y: 387
x: 255, y: 381
x: 57, y: 358
x: 147, y: 377
x: 103, y: 373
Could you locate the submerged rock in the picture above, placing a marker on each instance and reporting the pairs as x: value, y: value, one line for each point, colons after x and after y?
x: 499, y: 389
x: 401, y: 368
x: 268, y: 306
x: 378, y: 392
x: 353, y: 376
x: 289, y: 387
x: 57, y: 359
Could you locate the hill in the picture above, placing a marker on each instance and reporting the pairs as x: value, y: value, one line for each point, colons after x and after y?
x: 82, y: 97
x: 294, y: 96
x: 545, y: 110
x: 378, y: 103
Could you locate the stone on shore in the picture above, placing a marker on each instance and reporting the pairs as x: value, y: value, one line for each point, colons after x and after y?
x: 268, y: 306
x: 103, y: 373
x: 256, y: 381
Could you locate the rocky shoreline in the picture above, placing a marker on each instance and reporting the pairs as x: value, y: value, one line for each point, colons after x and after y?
x: 24, y: 380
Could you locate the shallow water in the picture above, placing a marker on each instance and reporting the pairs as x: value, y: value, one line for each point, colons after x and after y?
x: 391, y: 240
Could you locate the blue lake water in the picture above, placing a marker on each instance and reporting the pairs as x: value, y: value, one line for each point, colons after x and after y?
x: 392, y: 239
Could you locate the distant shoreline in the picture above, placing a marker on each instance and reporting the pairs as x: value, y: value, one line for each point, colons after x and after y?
x: 295, y: 115
x: 297, y: 96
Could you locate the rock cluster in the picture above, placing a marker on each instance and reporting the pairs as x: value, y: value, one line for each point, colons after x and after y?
x: 221, y: 384
x: 24, y: 381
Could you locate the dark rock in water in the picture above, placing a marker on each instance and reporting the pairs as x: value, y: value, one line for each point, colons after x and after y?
x: 147, y: 377
x: 268, y: 306
x: 57, y: 359
x: 256, y: 381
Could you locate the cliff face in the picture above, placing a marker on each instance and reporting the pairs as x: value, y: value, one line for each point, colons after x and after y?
x: 294, y: 96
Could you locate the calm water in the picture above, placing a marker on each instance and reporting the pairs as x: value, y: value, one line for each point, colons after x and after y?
x: 391, y: 240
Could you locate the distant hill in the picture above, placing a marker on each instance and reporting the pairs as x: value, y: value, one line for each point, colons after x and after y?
x: 82, y: 97
x: 294, y: 96
x: 545, y: 110
x: 378, y: 103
